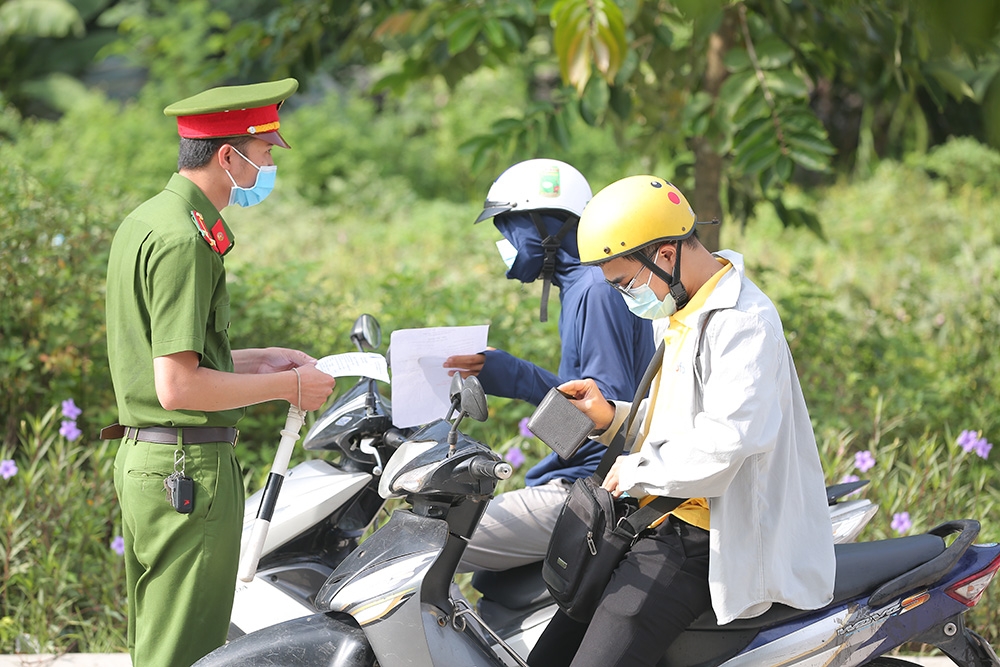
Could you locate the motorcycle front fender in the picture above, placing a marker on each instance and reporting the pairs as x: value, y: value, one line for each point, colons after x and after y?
x: 319, y: 640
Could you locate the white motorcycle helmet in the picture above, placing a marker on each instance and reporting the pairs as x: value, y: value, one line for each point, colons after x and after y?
x: 538, y: 185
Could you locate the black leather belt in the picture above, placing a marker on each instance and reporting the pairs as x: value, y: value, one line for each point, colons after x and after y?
x: 162, y: 435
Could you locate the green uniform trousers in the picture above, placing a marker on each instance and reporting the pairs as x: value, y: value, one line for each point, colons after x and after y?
x: 180, y: 569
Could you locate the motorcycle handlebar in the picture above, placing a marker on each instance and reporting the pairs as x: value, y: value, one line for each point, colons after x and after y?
x: 488, y: 469
x: 394, y: 437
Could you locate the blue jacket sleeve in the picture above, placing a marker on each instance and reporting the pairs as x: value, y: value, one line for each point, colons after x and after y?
x: 507, y: 376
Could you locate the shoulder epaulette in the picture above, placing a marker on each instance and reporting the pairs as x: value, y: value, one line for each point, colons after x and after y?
x: 217, y: 238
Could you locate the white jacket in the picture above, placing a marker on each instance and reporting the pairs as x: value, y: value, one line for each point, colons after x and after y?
x: 736, y: 431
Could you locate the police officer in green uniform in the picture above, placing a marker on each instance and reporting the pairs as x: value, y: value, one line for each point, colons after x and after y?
x: 179, y: 386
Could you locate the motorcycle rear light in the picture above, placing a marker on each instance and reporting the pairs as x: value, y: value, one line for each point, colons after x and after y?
x: 969, y: 590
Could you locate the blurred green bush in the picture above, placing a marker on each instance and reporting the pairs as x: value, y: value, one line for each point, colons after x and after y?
x: 53, y: 252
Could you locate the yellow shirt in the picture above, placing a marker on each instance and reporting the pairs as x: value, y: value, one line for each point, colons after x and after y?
x: 694, y: 510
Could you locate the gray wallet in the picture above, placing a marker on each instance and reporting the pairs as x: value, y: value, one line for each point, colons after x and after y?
x: 559, y: 424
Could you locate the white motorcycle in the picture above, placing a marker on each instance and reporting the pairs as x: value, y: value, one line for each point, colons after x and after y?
x: 325, y: 507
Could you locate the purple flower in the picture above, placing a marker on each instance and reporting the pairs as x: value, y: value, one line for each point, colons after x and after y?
x: 847, y: 479
x: 69, y: 409
x: 970, y: 441
x: 901, y: 523
x: 864, y: 461
x: 514, y: 456
x: 983, y: 448
x: 8, y: 468
x: 967, y: 440
x: 70, y: 431
x: 522, y: 427
x: 118, y: 545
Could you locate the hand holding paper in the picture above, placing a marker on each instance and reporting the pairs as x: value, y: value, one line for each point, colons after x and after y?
x: 420, y: 379
x: 355, y: 364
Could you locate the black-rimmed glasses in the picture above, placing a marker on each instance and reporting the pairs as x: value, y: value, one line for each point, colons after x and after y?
x: 626, y: 289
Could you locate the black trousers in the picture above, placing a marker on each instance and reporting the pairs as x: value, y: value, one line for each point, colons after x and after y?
x: 658, y: 590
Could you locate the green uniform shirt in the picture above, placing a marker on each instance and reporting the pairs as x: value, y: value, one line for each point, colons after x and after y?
x: 166, y: 294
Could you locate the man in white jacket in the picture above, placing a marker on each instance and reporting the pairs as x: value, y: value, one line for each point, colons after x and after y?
x: 725, y: 426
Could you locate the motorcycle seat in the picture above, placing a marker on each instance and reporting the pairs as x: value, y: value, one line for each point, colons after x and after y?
x: 861, y: 568
x: 517, y: 588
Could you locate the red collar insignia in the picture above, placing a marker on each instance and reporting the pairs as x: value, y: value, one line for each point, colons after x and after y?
x: 217, y: 239
x: 222, y: 242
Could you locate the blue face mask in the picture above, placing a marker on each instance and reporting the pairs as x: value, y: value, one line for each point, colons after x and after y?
x: 260, y: 189
x: 644, y: 303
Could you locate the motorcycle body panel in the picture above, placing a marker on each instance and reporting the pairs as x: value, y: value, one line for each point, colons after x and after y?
x: 320, y: 640
x: 276, y: 594
x: 392, y: 556
x: 373, y: 585
x: 312, y: 490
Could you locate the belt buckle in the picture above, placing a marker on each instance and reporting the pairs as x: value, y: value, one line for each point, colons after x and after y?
x: 236, y: 437
x: 633, y: 535
x: 114, y: 432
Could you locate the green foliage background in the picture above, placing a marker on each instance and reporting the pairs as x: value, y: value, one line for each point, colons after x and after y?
x: 892, y: 319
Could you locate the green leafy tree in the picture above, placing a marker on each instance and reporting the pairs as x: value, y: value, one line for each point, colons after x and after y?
x: 48, y: 46
x: 741, y: 93
x: 739, y: 98
x: 733, y: 99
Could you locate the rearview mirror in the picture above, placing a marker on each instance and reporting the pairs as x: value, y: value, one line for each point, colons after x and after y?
x: 474, y: 399
x: 366, y: 333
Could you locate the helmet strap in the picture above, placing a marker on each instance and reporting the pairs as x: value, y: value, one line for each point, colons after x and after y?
x: 677, y: 290
x: 550, y: 244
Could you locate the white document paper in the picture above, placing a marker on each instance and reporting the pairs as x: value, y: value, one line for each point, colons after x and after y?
x: 355, y: 364
x: 420, y: 382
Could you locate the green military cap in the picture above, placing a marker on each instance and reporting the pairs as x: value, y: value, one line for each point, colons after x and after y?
x: 232, y: 111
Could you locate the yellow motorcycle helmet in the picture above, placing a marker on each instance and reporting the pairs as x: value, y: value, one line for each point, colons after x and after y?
x: 632, y: 213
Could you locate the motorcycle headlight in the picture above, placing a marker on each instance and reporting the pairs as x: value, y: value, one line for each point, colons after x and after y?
x: 391, y: 481
x: 413, y: 480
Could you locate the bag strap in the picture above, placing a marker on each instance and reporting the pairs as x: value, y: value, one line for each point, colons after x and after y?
x: 623, y: 437
x: 634, y: 523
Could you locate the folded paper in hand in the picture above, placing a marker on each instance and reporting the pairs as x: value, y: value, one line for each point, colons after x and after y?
x: 355, y: 364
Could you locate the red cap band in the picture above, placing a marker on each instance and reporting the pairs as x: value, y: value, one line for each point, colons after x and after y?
x: 229, y: 123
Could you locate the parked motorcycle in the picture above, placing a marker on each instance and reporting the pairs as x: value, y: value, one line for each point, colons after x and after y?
x: 325, y: 507
x: 388, y: 603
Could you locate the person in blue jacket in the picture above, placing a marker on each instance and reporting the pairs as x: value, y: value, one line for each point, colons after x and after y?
x: 536, y: 205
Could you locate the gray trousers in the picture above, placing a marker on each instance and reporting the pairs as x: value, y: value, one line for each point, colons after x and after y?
x: 516, y: 527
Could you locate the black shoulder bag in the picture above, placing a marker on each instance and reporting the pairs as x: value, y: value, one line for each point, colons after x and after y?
x: 595, y: 530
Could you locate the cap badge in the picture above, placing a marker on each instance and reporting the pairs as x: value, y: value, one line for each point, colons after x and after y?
x: 266, y: 127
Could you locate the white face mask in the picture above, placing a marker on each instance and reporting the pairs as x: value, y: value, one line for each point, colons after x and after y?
x: 508, y: 253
